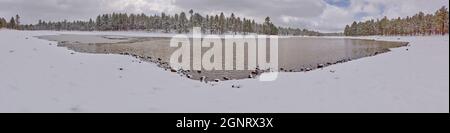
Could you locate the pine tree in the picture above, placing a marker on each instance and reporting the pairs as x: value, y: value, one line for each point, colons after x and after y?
x: 214, y: 24
x: 98, y: 23
x: 222, y: 23
x: 441, y: 20
x: 191, y: 12
x: 17, y: 22
x: 91, y: 25
x: 165, y: 23
x: 269, y: 28
x: 419, y: 24
x: 12, y: 23
x: 353, y: 29
x: 383, y: 26
x: 232, y: 22
x: 347, y: 30
x: 211, y: 24
x: 3, y: 23
x: 266, y: 27
x: 183, y: 23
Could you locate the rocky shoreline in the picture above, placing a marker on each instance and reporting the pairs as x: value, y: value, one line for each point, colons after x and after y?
x: 135, y: 47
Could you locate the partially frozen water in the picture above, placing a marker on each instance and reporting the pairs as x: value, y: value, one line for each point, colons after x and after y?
x: 296, y: 54
x: 85, y: 38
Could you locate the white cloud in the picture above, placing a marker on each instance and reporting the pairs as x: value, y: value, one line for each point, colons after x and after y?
x: 335, y: 18
x: 142, y: 6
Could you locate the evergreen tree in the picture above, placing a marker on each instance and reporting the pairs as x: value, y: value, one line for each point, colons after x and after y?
x: 17, y: 22
x: 180, y: 23
x: 347, y: 30
x: 269, y: 28
x: 183, y: 23
x: 441, y: 20
x: 3, y: 23
x: 12, y: 23
x: 232, y: 23
x: 191, y: 12
x: 222, y: 23
x: 419, y: 24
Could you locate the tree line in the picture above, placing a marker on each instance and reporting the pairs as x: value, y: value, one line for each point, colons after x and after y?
x: 14, y: 23
x: 299, y: 32
x: 419, y: 24
x: 177, y: 23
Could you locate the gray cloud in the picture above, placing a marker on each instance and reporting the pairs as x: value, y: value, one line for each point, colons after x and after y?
x: 258, y: 9
x: 32, y: 10
x: 274, y: 8
x: 312, y: 14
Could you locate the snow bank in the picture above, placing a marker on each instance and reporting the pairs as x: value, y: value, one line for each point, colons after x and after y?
x: 38, y: 77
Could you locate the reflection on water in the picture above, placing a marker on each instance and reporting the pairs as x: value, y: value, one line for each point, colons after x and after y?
x: 296, y: 54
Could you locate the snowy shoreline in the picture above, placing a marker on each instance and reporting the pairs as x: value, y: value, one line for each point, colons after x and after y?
x: 38, y: 77
x: 159, y: 52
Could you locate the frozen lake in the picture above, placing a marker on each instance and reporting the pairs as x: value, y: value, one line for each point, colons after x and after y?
x: 37, y: 76
x: 296, y: 54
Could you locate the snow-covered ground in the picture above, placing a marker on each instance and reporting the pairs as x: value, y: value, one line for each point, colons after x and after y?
x: 38, y: 77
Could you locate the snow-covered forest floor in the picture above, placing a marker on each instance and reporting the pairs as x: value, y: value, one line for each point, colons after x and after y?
x: 38, y: 77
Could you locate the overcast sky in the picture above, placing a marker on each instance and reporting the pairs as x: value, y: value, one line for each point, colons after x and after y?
x: 322, y: 15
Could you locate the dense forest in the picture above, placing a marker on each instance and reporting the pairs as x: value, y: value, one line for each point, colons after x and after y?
x: 177, y: 23
x: 14, y: 23
x: 419, y: 24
